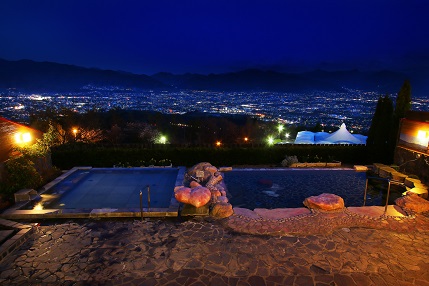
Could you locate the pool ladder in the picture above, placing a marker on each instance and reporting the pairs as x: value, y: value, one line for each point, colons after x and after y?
x: 389, y: 182
x: 141, y: 201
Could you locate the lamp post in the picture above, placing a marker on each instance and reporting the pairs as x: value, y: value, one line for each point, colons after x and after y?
x: 280, y: 128
x: 75, y: 133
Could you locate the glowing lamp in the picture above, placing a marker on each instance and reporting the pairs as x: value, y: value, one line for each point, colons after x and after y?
x: 162, y: 139
x: 22, y: 138
x: 423, y: 137
x: 246, y: 139
x: 270, y: 140
x: 38, y: 207
x: 218, y: 143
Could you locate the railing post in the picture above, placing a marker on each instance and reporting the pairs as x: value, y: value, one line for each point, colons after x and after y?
x: 364, y: 195
x: 141, y: 205
x: 148, y: 198
x: 387, y: 197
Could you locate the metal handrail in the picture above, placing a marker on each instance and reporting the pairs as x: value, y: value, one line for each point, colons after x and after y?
x: 389, y: 182
x: 141, y: 201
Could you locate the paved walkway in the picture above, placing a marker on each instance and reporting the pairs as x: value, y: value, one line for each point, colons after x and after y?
x: 202, y: 251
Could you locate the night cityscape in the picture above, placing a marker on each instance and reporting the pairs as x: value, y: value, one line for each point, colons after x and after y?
x: 214, y: 142
x: 353, y: 107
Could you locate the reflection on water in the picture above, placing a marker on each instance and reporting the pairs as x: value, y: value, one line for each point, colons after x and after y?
x: 287, y: 188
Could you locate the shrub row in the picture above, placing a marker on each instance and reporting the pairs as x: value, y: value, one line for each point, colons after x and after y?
x: 68, y: 156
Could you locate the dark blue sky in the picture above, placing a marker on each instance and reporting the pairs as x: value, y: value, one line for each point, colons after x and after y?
x: 218, y: 35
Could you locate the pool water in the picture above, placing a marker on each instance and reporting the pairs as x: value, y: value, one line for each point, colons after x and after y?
x: 287, y: 188
x: 99, y: 188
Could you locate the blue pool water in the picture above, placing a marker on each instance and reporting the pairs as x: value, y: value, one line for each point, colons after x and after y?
x: 287, y: 188
x: 113, y: 188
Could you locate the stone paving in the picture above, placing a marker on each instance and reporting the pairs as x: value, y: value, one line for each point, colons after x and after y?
x: 203, y: 251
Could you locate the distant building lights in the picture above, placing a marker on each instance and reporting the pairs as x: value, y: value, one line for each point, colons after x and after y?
x: 22, y: 138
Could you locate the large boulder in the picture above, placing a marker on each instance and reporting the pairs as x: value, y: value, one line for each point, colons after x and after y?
x: 198, y: 196
x: 201, y: 172
x: 412, y: 203
x: 325, y: 201
x: 222, y: 210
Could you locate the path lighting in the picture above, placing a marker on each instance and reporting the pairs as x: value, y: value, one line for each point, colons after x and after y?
x: 280, y: 128
x: 163, y: 140
x: 270, y: 140
x: 287, y: 135
x: 75, y: 133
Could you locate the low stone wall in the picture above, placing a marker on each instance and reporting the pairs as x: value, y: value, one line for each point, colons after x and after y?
x: 316, y: 165
x: 411, y: 184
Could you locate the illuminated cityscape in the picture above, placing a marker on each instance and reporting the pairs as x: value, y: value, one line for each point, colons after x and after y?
x: 354, y: 107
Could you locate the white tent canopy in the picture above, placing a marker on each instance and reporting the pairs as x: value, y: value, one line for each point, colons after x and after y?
x: 341, y: 136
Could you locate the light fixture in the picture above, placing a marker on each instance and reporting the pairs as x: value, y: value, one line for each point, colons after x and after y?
x: 22, y: 138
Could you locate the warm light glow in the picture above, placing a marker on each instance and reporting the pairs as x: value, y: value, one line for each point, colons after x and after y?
x: 74, y: 131
x: 22, y: 138
x: 218, y: 143
x: 162, y: 139
x: 38, y: 207
x: 246, y: 139
x: 270, y: 140
x: 423, y: 137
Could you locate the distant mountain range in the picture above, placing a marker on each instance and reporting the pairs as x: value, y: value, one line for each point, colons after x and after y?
x: 47, y: 76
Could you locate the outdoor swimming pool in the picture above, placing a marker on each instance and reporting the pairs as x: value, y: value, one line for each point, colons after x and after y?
x: 90, y: 189
x: 287, y: 188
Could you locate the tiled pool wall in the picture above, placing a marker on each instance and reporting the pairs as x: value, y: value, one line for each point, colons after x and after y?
x: 19, y: 211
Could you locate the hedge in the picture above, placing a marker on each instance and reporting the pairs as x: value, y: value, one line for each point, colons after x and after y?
x: 68, y: 156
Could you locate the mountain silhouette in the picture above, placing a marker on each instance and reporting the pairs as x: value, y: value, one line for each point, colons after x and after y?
x: 49, y: 76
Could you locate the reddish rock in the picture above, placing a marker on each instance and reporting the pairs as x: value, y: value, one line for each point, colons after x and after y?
x: 216, y: 193
x: 201, y: 172
x: 222, y: 210
x: 222, y: 199
x: 327, y: 202
x: 413, y: 202
x: 182, y: 194
x: 199, y: 196
x: 194, y: 184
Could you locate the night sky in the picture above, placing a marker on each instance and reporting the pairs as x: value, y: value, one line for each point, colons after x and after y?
x: 216, y: 36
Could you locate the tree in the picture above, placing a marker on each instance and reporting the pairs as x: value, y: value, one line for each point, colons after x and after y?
x: 379, y: 133
x: 403, y: 101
